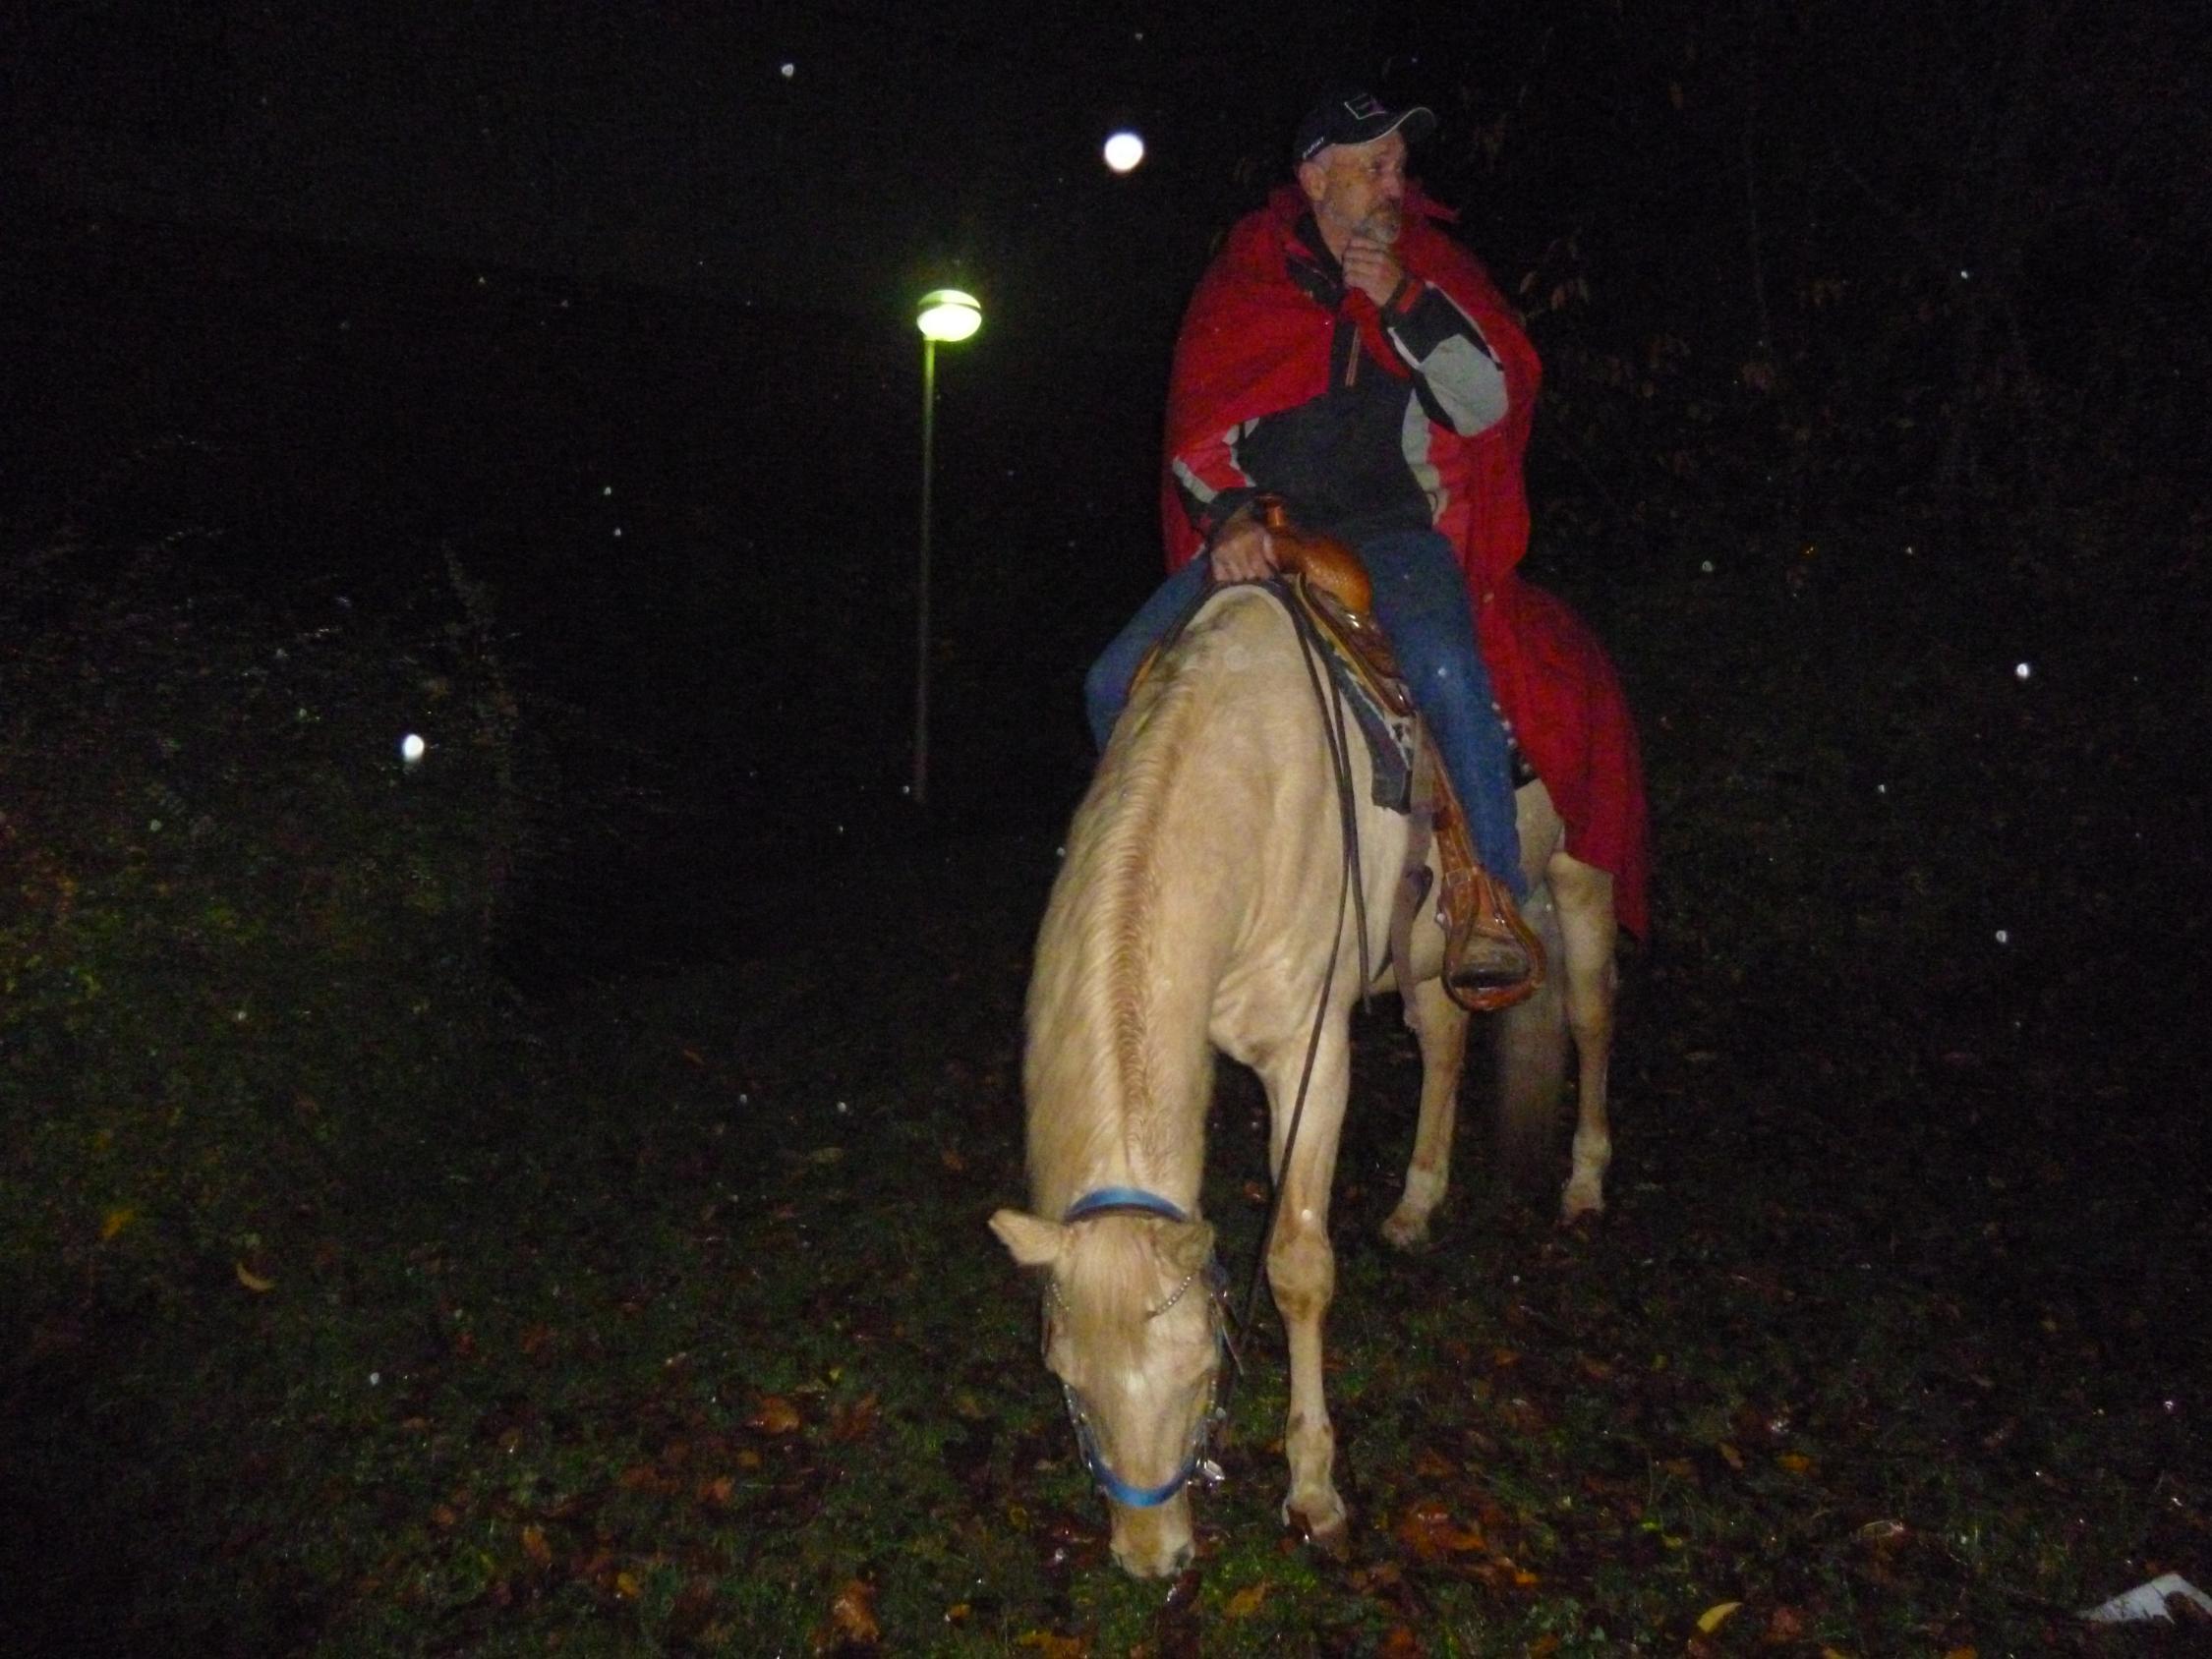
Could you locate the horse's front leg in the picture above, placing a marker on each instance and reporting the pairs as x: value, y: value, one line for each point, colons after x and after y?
x: 1302, y: 1270
x: 1440, y: 1026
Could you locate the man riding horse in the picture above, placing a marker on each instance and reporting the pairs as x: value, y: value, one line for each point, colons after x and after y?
x: 1344, y: 356
x: 1344, y: 370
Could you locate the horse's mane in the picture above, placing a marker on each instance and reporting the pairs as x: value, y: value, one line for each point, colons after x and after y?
x: 1094, y: 1071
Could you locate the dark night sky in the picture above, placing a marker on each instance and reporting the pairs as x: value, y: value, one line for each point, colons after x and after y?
x: 668, y: 146
x: 665, y: 148
x: 664, y: 144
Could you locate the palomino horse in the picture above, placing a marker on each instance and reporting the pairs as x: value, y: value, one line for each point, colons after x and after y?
x: 1200, y: 907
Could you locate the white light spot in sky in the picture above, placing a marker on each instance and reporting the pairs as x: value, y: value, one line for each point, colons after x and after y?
x: 786, y: 71
x: 606, y: 489
x: 2004, y: 935
x: 411, y: 747
x: 1125, y: 150
x: 617, y: 530
x: 2022, y: 670
x: 1707, y: 567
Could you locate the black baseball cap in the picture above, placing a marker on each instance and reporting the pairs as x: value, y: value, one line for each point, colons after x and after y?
x: 1353, y: 115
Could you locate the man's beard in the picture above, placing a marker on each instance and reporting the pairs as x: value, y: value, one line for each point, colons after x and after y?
x: 1383, y: 225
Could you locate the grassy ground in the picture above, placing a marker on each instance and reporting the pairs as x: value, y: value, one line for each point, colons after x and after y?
x: 358, y: 1306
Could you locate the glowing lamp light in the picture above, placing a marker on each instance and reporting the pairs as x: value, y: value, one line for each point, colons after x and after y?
x: 949, y: 315
x: 1124, y: 151
x: 411, y: 747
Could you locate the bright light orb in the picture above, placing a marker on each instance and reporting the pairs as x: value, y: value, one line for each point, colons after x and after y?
x: 949, y: 315
x: 412, y: 748
x: 1125, y: 150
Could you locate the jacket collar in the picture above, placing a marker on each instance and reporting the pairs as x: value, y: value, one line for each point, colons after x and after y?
x: 1311, y: 266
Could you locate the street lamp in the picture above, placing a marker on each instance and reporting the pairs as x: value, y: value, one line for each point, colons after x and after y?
x: 947, y: 315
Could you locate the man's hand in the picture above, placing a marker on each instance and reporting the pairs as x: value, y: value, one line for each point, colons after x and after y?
x: 1244, y: 551
x: 1371, y: 267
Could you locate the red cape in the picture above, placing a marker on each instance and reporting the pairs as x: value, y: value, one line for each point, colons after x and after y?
x: 1254, y: 344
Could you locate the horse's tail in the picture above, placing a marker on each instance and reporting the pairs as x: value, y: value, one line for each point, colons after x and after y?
x: 1532, y: 1066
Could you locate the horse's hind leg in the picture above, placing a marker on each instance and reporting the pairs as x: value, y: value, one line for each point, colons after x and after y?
x: 1530, y: 1057
x: 1590, y: 932
x: 1440, y: 1026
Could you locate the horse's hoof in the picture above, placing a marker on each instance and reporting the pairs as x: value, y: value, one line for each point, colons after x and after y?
x: 1323, y: 1520
x: 1407, y: 1232
x: 1578, y: 1201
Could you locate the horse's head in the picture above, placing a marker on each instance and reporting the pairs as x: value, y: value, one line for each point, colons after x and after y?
x: 1134, y: 1328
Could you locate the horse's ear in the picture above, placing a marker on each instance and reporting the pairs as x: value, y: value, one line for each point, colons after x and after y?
x: 1186, y: 1246
x: 1034, y: 1241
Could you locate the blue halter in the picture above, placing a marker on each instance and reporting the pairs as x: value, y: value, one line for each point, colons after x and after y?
x: 1136, y: 1201
x: 1122, y: 1200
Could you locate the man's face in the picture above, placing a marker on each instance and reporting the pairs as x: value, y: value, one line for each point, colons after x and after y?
x: 1358, y: 190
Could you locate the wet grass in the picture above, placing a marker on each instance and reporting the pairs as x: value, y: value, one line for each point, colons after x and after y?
x: 359, y: 1303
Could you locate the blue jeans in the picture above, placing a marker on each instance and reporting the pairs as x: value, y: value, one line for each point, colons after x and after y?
x: 1421, y: 600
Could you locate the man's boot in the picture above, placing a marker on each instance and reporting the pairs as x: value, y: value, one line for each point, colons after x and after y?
x: 1491, y: 960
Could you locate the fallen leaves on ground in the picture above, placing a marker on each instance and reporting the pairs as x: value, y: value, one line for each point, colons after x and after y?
x: 1052, y: 1645
x: 853, y: 1613
x: 1719, y: 1613
x: 1247, y: 1601
x: 774, y: 1416
x: 856, y: 1421
x: 1430, y: 1530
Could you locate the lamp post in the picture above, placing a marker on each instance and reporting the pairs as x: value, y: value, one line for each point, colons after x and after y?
x: 947, y: 315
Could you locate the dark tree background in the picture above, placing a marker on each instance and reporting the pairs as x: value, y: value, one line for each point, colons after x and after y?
x: 1780, y: 256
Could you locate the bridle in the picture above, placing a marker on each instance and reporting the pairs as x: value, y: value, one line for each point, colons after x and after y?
x: 1136, y: 1201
